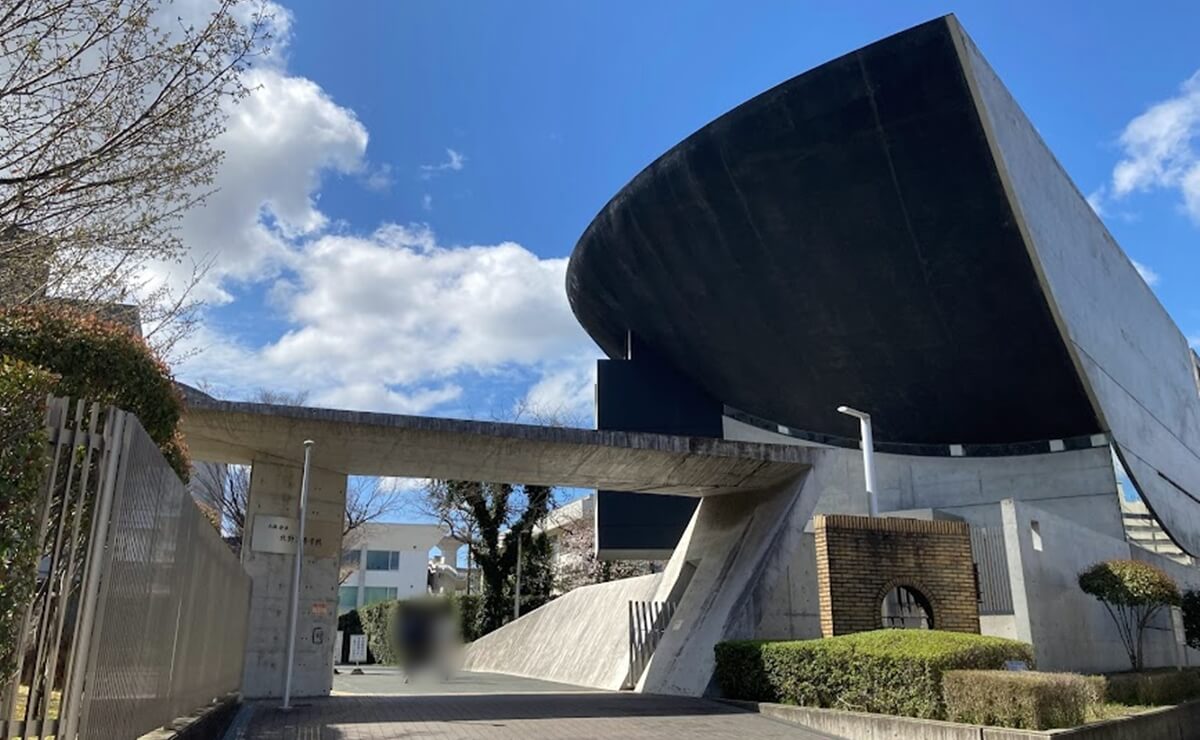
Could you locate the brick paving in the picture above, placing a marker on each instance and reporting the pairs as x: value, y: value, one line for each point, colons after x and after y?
x: 529, y: 716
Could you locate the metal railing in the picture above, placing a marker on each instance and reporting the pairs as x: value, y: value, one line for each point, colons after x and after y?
x: 991, y: 568
x: 648, y: 621
x: 140, y: 611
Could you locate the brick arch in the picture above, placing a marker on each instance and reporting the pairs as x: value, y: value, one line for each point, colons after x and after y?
x: 860, y: 559
x: 922, y: 590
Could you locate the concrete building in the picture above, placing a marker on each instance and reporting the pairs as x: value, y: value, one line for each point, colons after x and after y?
x: 389, y: 561
x: 886, y: 231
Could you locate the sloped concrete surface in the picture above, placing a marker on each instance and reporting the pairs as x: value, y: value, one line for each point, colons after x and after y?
x: 580, y: 638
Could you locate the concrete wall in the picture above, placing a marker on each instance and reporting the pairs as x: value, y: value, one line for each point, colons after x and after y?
x: 1080, y: 485
x: 580, y: 638
x: 1136, y: 364
x: 274, y: 491
x: 725, y: 574
x: 1069, y: 629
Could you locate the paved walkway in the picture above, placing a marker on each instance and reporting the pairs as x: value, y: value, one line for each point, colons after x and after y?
x: 387, y: 681
x: 502, y: 707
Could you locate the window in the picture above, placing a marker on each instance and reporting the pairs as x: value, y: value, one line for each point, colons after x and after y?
x: 906, y: 608
x: 1035, y: 533
x: 376, y: 594
x: 383, y: 560
x: 347, y: 598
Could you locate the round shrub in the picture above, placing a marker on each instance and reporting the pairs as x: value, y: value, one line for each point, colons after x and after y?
x: 1132, y: 592
x: 100, y: 361
x: 23, y: 460
x: 1129, y: 583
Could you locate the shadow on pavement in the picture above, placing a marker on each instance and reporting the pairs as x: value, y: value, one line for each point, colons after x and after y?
x: 450, y: 708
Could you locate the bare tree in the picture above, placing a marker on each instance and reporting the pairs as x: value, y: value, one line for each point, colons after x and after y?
x: 109, y: 110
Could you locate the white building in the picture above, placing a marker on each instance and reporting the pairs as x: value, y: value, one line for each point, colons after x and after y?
x: 392, y: 563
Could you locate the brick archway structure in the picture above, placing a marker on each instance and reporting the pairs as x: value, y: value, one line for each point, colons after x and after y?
x: 861, y: 559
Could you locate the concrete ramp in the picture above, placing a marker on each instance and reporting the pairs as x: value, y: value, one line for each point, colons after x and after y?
x: 580, y: 638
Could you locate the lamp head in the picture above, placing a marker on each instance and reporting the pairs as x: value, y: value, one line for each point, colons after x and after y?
x: 853, y: 412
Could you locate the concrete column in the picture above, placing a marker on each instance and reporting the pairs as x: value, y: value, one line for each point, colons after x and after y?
x: 274, y: 498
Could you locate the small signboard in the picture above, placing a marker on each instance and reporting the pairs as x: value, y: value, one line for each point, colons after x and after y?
x: 277, y: 534
x: 358, y: 648
x: 1016, y: 665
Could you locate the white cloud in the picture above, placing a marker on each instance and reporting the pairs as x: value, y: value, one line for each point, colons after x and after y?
x: 280, y: 140
x: 1150, y: 276
x: 1160, y: 149
x: 378, y: 178
x: 565, y: 392
x: 454, y: 163
x: 392, y: 321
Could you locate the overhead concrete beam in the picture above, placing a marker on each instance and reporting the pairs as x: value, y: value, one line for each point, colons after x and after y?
x: 361, y: 443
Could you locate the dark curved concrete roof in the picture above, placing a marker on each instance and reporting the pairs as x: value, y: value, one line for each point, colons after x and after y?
x: 843, y: 238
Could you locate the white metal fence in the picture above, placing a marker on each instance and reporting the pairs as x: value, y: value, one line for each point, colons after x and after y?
x: 140, y: 612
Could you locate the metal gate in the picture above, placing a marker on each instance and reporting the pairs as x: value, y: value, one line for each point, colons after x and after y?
x: 648, y: 621
x: 140, y: 610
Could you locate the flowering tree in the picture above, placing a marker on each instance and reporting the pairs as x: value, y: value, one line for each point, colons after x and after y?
x: 1132, y: 592
x: 577, y: 564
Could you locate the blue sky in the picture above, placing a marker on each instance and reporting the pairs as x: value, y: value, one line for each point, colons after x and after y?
x: 403, y: 186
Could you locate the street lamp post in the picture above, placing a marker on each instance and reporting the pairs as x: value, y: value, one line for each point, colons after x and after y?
x: 295, y: 610
x: 868, y: 451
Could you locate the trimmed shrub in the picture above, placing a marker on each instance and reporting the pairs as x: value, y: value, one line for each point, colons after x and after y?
x: 1154, y: 688
x: 1027, y: 700
x: 884, y: 671
x: 379, y: 625
x: 1132, y: 592
x: 23, y: 461
x: 99, y: 361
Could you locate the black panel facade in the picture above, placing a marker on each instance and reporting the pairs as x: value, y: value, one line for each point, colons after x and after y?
x: 843, y: 238
x: 644, y: 394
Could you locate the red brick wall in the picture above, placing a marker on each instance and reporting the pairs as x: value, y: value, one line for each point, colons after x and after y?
x: 860, y: 559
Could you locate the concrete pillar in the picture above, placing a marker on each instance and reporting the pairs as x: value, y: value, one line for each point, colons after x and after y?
x: 268, y: 555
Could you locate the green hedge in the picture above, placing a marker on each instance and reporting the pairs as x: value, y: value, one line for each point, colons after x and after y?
x: 1154, y: 688
x: 99, y: 361
x: 1026, y: 700
x: 23, y: 460
x: 378, y: 624
x: 468, y: 610
x: 885, y: 671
